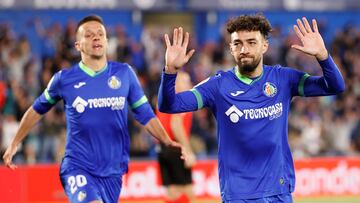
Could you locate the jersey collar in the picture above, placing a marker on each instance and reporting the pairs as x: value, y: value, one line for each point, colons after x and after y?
x: 90, y: 71
x: 246, y: 79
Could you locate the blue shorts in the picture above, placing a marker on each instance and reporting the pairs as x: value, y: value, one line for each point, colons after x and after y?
x: 281, y: 198
x: 81, y: 187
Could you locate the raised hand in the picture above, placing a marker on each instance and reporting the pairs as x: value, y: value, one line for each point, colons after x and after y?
x: 312, y: 42
x: 175, y: 55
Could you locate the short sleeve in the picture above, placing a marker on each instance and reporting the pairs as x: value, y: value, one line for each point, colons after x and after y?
x: 138, y: 101
x: 50, y: 96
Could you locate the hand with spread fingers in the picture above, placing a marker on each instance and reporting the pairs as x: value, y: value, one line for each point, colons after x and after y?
x: 312, y: 42
x: 176, y: 56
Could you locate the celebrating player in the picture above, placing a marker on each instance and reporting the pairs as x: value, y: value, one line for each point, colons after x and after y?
x: 96, y: 95
x: 251, y: 103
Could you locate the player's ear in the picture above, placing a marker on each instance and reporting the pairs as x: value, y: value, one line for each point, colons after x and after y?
x: 231, y: 47
x: 77, y: 45
x: 265, y: 46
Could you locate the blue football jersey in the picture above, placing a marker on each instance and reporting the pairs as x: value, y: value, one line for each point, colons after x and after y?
x: 96, y: 107
x: 254, y: 158
x: 252, y: 116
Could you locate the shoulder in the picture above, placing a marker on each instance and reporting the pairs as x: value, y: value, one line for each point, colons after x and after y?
x: 119, y: 67
x: 67, y: 71
x: 278, y: 69
x: 217, y: 77
x: 223, y: 75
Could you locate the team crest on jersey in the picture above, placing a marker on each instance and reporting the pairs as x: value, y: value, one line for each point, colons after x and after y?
x: 269, y: 89
x: 114, y: 82
x: 81, y: 196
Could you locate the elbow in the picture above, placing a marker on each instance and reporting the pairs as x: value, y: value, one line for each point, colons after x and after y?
x: 167, y: 109
x: 164, y: 108
x: 161, y: 105
x: 337, y: 87
x: 341, y: 87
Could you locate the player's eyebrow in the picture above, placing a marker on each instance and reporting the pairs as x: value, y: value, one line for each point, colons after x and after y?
x: 251, y: 39
x: 89, y: 31
x: 247, y: 40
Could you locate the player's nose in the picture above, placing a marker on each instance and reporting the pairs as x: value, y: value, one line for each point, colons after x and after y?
x: 244, y: 50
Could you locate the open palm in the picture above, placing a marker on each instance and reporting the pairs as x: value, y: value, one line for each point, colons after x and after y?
x: 176, y: 56
x: 312, y: 42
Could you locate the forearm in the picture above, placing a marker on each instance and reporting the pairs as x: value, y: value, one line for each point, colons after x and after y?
x: 166, y: 92
x: 179, y: 132
x: 334, y: 80
x: 330, y: 83
x: 155, y: 128
x: 30, y: 118
x: 169, y: 102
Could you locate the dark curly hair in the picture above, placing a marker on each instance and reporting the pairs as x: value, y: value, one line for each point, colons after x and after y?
x: 256, y: 22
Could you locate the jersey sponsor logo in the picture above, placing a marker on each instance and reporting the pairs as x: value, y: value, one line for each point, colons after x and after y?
x: 271, y: 112
x: 237, y: 93
x: 269, y: 89
x: 79, y: 104
x: 115, y: 103
x: 234, y: 114
x: 80, y: 84
x: 114, y: 82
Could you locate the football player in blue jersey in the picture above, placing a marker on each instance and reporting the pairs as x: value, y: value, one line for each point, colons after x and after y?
x: 251, y: 103
x: 96, y: 95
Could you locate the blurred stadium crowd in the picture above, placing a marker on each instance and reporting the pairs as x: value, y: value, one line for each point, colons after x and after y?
x: 323, y: 126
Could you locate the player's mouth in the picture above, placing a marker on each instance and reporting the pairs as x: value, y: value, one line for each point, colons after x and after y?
x: 97, y: 46
x: 247, y: 58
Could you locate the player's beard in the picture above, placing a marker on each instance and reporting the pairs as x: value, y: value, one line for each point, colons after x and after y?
x: 249, y: 67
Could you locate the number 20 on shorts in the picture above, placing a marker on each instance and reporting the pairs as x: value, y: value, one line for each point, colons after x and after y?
x: 75, y: 182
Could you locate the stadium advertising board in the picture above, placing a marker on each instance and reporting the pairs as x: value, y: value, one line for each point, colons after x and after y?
x: 315, y: 177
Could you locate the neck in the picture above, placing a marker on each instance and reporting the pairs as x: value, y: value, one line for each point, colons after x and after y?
x: 253, y: 74
x: 94, y: 64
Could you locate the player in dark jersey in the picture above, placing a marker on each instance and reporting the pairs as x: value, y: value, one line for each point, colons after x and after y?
x: 176, y: 173
x: 251, y: 103
x: 96, y: 95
